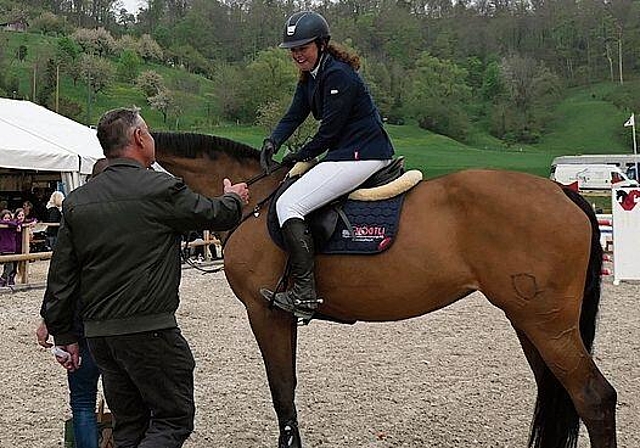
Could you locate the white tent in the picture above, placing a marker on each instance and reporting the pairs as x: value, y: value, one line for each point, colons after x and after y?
x: 35, y: 138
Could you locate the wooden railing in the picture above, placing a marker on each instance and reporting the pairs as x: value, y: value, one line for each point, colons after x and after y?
x: 26, y: 256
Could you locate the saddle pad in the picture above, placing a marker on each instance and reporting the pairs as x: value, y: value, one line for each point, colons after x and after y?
x: 374, y: 226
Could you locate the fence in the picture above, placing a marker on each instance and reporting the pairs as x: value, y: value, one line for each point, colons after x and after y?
x: 23, y: 259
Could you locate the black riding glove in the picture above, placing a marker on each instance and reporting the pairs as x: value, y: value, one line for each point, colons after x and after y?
x: 266, y: 155
x: 291, y: 159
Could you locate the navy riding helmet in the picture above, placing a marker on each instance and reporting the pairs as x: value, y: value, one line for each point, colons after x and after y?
x: 304, y: 27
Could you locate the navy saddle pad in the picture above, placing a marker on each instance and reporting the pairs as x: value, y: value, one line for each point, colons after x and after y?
x: 374, y: 226
x: 347, y: 226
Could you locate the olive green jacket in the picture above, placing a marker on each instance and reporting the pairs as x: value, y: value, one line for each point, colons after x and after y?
x: 117, y: 259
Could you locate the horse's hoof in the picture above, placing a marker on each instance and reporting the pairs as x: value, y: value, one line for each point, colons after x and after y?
x: 290, y: 436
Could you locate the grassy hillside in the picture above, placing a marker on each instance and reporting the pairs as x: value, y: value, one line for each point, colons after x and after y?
x: 584, y: 122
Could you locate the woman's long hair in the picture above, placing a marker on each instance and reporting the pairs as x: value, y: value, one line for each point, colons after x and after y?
x: 339, y: 53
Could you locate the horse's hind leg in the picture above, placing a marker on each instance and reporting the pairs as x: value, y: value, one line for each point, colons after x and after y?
x: 569, y: 385
x: 276, y: 334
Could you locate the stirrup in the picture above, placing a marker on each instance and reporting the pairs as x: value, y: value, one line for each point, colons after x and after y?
x: 303, y: 313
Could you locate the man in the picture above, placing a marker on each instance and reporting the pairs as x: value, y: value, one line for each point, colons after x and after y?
x: 118, y: 262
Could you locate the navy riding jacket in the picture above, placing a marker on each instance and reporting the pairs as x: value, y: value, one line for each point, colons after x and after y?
x: 350, y: 128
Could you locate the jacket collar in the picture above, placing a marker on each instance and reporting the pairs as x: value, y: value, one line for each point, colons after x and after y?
x: 124, y: 161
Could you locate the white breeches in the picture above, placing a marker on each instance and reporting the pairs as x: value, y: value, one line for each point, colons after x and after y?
x: 322, y: 184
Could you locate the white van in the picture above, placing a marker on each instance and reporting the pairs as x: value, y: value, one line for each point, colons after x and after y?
x: 591, y: 177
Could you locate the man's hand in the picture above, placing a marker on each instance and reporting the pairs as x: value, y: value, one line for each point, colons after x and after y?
x: 239, y: 189
x: 68, y: 356
x: 266, y: 155
x: 42, y: 333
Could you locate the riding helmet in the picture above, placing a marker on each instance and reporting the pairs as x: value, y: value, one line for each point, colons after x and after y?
x: 304, y: 27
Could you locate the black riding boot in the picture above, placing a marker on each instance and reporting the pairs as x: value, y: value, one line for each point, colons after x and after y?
x: 301, y: 298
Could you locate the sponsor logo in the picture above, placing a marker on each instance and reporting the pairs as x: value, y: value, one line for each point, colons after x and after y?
x: 365, y: 233
x: 628, y: 200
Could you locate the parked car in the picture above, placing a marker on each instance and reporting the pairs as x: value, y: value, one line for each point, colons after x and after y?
x: 592, y: 176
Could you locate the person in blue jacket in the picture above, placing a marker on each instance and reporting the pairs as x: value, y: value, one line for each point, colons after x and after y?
x: 350, y: 132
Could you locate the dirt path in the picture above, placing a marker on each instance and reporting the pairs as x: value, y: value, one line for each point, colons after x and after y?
x: 454, y: 378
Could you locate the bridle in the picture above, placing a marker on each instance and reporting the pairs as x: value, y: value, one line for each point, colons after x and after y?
x: 255, y: 212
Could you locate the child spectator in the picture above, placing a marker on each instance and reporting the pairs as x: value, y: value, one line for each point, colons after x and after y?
x: 19, y: 218
x: 8, y: 246
x: 23, y: 225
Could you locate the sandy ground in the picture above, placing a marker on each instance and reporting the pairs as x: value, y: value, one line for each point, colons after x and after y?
x: 454, y: 378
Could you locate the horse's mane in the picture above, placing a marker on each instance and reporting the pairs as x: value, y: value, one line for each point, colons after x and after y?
x: 192, y: 145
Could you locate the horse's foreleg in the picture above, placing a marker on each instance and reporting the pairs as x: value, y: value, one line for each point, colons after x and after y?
x: 276, y: 334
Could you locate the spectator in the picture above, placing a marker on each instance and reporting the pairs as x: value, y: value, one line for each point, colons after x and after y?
x: 29, y: 212
x: 83, y: 382
x: 83, y: 388
x: 54, y: 216
x: 39, y: 204
x: 123, y: 279
x: 23, y: 228
x: 8, y: 246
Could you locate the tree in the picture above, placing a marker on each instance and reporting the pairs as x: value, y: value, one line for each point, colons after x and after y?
x: 128, y: 66
x: 97, y: 71
x: 163, y: 102
x: 98, y: 42
x: 438, y: 96
x: 148, y: 49
x: 191, y: 59
x: 21, y: 53
x: 529, y: 87
x: 48, y: 85
x: 270, y: 77
x: 67, y: 55
x: 228, y: 80
x: 49, y: 23
x: 150, y: 82
x: 127, y: 42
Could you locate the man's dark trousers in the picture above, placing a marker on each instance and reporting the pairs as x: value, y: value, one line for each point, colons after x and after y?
x: 148, y: 383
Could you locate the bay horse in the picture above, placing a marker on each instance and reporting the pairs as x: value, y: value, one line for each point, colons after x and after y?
x: 530, y: 246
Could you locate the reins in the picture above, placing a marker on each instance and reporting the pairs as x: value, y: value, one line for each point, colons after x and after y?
x: 255, y: 212
x: 262, y: 175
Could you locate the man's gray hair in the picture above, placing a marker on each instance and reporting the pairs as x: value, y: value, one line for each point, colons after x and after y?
x: 115, y: 129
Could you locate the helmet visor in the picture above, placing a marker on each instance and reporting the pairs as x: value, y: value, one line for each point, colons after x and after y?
x: 296, y: 43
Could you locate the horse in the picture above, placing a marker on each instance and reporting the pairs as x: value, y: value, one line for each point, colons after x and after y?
x: 528, y: 244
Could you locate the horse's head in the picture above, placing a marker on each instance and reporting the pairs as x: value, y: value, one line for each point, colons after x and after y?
x: 203, y: 161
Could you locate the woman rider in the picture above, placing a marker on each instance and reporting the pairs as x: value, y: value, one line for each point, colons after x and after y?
x: 350, y: 131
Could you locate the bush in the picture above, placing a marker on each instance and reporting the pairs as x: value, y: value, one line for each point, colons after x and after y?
x: 450, y: 121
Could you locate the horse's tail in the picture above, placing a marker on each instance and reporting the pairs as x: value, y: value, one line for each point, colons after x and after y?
x: 555, y: 421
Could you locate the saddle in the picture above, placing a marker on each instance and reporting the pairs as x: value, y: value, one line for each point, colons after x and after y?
x: 361, y: 222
